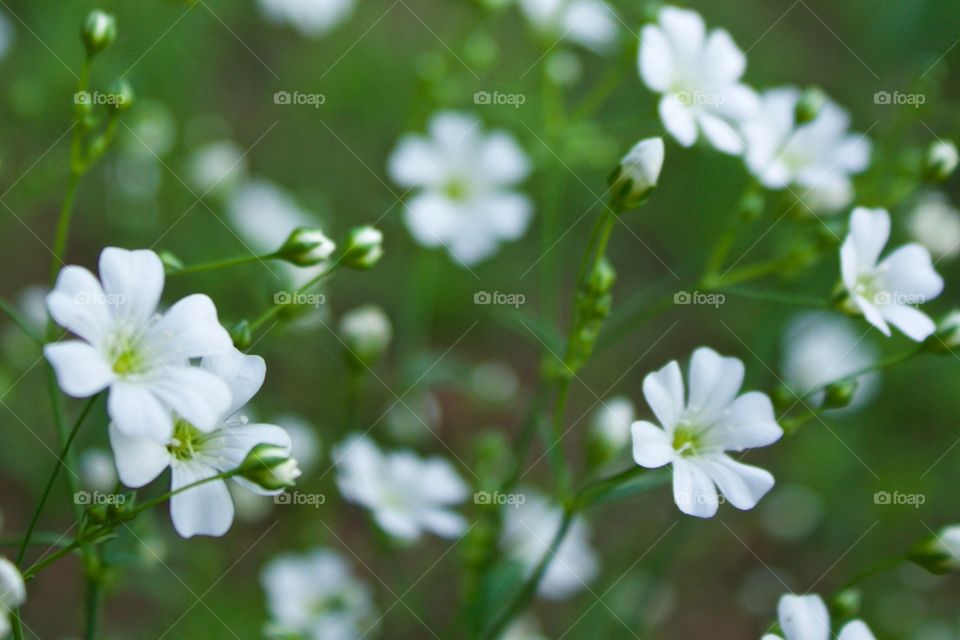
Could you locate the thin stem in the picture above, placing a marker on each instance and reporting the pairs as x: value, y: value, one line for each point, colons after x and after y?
x: 221, y: 264
x: 877, y: 366
x: 879, y: 567
x: 46, y: 562
x: 11, y: 312
x: 40, y: 538
x: 94, y: 601
x: 779, y: 297
x: 278, y: 307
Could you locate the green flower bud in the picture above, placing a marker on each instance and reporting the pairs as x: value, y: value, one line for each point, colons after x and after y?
x: 602, y: 277
x: 364, y: 247
x: 270, y: 467
x: 940, y: 553
x: 846, y: 604
x: 839, y: 394
x: 171, y: 261
x: 638, y: 173
x: 122, y: 95
x: 99, y: 30
x: 809, y: 105
x: 367, y: 333
x: 241, y: 335
x: 941, y: 161
x: 306, y: 246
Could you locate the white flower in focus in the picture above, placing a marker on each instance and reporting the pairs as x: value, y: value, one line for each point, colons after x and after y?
x: 590, y: 23
x: 699, y: 77
x: 316, y: 596
x: 528, y: 531
x: 142, y: 357
x: 818, y: 157
x: 465, y: 180
x: 193, y: 454
x: 886, y: 292
x: 407, y: 495
x: 820, y: 348
x: 216, y: 167
x: 312, y: 18
x: 935, y: 223
x: 697, y: 432
x: 807, y: 618
x: 13, y: 593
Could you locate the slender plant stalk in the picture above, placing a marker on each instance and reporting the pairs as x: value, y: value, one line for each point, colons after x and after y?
x: 221, y: 264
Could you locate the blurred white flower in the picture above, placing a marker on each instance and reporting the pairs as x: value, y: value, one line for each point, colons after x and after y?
x: 935, y: 223
x: 141, y: 356
x: 316, y: 596
x: 97, y: 470
x: 696, y: 433
x: 7, y: 35
x: 528, y: 531
x: 818, y: 157
x: 407, y: 495
x: 312, y: 18
x: 887, y: 292
x: 699, y: 77
x: 193, y: 454
x: 821, y: 347
x: 367, y: 332
x: 590, y: 23
x: 494, y: 382
x: 611, y: 422
x: 216, y: 167
x: 465, y: 180
x: 807, y: 618
x: 306, y: 443
x: 416, y: 418
x: 524, y: 628
x: 13, y: 593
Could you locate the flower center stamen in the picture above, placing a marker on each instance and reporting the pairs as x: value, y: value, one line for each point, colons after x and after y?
x: 186, y: 440
x: 686, y: 441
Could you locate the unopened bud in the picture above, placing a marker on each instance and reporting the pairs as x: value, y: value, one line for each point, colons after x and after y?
x: 306, y: 246
x: 99, y: 30
x: 242, y: 335
x: 839, y: 394
x: 809, y: 105
x: 638, y: 173
x: 367, y: 333
x: 602, y: 277
x: 364, y: 248
x: 122, y: 95
x: 270, y: 467
x: 941, y: 161
x: 939, y: 553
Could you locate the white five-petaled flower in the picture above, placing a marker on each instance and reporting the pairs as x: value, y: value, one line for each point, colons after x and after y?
x: 699, y: 77
x: 142, y: 357
x: 590, y: 23
x: 194, y: 455
x: 465, y: 179
x: 13, y: 593
x: 818, y: 156
x: 312, y: 18
x: 316, y: 596
x: 529, y: 526
x: 885, y: 292
x: 807, y: 618
x: 407, y: 495
x: 696, y: 433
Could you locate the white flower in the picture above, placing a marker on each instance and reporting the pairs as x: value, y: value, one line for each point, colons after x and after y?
x: 818, y: 157
x: 524, y: 628
x: 465, y: 179
x: 639, y: 170
x: 97, y: 470
x: 367, y: 332
x: 610, y: 424
x: 696, y: 434
x: 807, y: 618
x: 316, y: 595
x: 591, y: 23
x: 312, y: 18
x: 821, y: 347
x: 528, y: 531
x: 303, y: 435
x: 935, y: 223
x: 142, y: 357
x: 216, y: 167
x: 699, y: 77
x: 13, y: 593
x: 193, y: 454
x: 407, y: 495
x: 886, y: 292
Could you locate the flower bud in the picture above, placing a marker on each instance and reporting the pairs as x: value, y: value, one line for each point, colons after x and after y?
x: 941, y: 161
x: 939, y: 553
x: 809, y: 105
x: 838, y: 395
x: 637, y: 174
x: 13, y: 592
x: 171, y: 261
x: 364, y: 247
x: 270, y: 467
x: 242, y: 335
x: 602, y: 277
x: 99, y: 30
x: 122, y: 95
x: 947, y: 336
x: 609, y: 432
x: 367, y: 333
x: 306, y: 246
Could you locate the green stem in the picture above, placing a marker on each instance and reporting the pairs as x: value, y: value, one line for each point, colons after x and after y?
x: 278, y: 307
x: 42, y: 538
x: 46, y: 562
x: 877, y: 366
x: 776, y: 296
x: 11, y: 312
x: 221, y: 264
x: 880, y: 567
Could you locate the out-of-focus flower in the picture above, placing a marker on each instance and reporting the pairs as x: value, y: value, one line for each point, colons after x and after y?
x: 820, y: 348
x: 216, y: 168
x: 141, y: 356
x: 418, y: 416
x: 887, y: 292
x: 367, y: 333
x: 317, y: 597
x: 307, y: 247
x: 697, y: 432
x: 807, y: 618
x: 940, y: 553
x: 818, y: 157
x: 590, y: 23
x: 306, y: 443
x: 529, y: 526
x: 194, y: 455
x: 609, y: 433
x: 7, y: 35
x: 699, y: 77
x: 97, y: 470
x: 935, y: 223
x: 98, y: 32
x: 524, y: 628
x: 312, y: 18
x: 465, y: 180
x: 494, y: 382
x: 942, y: 159
x: 406, y: 495
x: 13, y: 593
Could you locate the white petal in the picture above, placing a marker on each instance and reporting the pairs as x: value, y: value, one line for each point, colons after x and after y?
x: 133, y: 282
x: 139, y: 460
x: 508, y: 214
x: 909, y: 271
x: 870, y: 230
x: 678, y: 119
x: 501, y: 160
x: 651, y: 445
x: 454, y: 131
x: 663, y: 390
x: 472, y: 243
x: 244, y: 375
x: 227, y: 447
x: 849, y: 263
x: 138, y: 412
x: 749, y: 422
x: 414, y: 163
x: 855, y: 630
x: 723, y: 61
x: 914, y: 323
x: 398, y: 524
x: 189, y: 329
x: 446, y: 524
x: 81, y: 370
x: 741, y: 484
x: 872, y: 314
x: 715, y: 381
x: 656, y: 59
x: 685, y: 30
x: 693, y: 490
x: 78, y: 304
x: 721, y: 134
x: 592, y: 23
x: 432, y: 218
x: 441, y: 483
x: 804, y: 617
x: 206, y: 509
x: 198, y: 396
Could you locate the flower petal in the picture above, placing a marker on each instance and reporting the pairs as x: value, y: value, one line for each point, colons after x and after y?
x: 715, y: 381
x: 413, y: 163
x: 206, y: 509
x: 501, y: 160
x: 749, y: 422
x: 133, y: 282
x: 431, y: 218
x: 723, y: 60
x: 870, y: 230
x: 656, y: 59
x: 804, y: 617
x: 81, y: 370
x: 228, y: 447
x: 914, y: 323
x: 743, y: 485
x: 244, y: 375
x: 137, y: 412
x: 198, y: 396
x: 189, y: 329
x: 856, y: 630
x: 77, y: 303
x: 909, y: 271
x: 446, y: 524
x: 678, y: 119
x: 693, y: 490
x: 663, y: 390
x: 721, y: 134
x: 139, y: 460
x: 651, y: 445
x: 507, y: 214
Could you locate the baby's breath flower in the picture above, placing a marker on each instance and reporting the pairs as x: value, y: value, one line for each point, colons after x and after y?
x: 942, y: 159
x: 638, y: 173
x: 99, y: 30
x: 364, y: 247
x: 306, y: 246
x: 806, y: 618
x: 13, y: 593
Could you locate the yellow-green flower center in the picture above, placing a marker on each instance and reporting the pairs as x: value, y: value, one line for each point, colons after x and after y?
x: 686, y: 441
x: 456, y: 189
x: 186, y: 440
